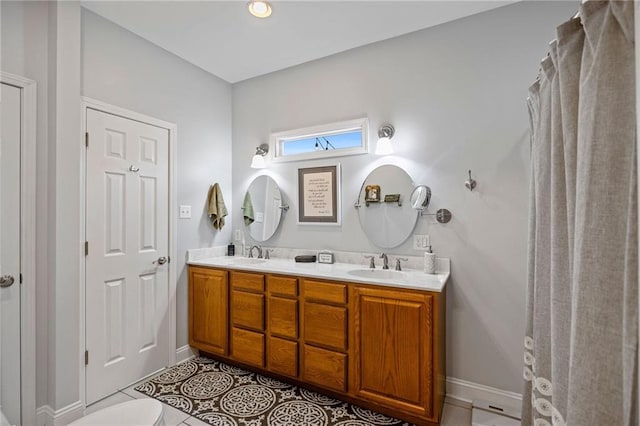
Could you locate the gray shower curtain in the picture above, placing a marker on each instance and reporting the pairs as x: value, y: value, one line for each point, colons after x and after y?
x: 581, y: 343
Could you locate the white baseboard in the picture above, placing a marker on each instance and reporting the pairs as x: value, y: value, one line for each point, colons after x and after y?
x: 43, y: 414
x: 184, y: 353
x: 47, y: 416
x: 462, y: 393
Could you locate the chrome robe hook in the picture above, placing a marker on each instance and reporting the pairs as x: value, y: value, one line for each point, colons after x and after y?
x: 471, y: 183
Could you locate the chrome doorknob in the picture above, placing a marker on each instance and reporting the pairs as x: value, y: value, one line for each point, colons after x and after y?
x: 161, y: 260
x: 6, y: 281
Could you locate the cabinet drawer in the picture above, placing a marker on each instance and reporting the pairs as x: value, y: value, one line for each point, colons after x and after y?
x: 247, y: 310
x: 247, y: 346
x: 282, y: 286
x: 247, y: 281
x: 324, y: 291
x: 283, y: 317
x: 282, y: 357
x: 324, y: 368
x: 325, y: 325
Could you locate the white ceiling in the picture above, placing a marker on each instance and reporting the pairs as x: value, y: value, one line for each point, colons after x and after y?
x: 224, y: 39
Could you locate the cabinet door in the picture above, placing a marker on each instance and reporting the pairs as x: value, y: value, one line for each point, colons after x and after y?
x: 325, y: 325
x: 324, y: 368
x: 393, y: 351
x: 247, y: 346
x: 283, y: 317
x: 208, y: 302
x: 247, y: 281
x: 247, y: 310
x: 282, y: 356
x: 282, y: 286
x: 325, y: 292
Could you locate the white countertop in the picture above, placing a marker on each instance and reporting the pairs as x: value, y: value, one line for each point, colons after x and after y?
x: 409, y: 278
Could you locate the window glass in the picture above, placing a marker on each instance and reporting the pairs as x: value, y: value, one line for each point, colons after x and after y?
x: 349, y: 139
x: 331, y: 140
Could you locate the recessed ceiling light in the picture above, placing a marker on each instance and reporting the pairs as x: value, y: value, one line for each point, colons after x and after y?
x: 259, y: 9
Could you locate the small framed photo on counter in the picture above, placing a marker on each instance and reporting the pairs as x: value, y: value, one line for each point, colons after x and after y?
x: 319, y: 195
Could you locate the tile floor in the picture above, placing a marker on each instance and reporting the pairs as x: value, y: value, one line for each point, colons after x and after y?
x: 453, y: 415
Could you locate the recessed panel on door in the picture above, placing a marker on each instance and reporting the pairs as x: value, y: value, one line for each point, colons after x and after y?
x: 115, y: 144
x: 147, y: 309
x: 148, y: 206
x: 114, y: 226
x: 114, y: 320
x: 148, y: 150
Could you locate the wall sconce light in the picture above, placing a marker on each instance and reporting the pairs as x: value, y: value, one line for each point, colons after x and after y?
x: 257, y: 162
x: 385, y: 133
x: 259, y: 9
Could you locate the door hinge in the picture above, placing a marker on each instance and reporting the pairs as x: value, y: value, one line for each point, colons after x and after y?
x: 86, y: 248
x: 86, y: 139
x: 86, y: 357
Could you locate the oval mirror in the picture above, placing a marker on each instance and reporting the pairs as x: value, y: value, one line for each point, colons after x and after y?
x: 262, y: 208
x: 420, y: 197
x: 386, y: 213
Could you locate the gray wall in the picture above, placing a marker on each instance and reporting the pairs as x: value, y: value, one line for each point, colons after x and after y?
x: 456, y: 96
x: 17, y: 17
x: 125, y: 70
x: 41, y: 41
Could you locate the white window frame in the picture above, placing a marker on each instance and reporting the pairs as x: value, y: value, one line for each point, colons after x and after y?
x: 277, y: 140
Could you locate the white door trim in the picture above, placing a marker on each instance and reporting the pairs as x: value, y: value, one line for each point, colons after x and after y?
x: 637, y: 52
x: 89, y: 103
x: 27, y: 244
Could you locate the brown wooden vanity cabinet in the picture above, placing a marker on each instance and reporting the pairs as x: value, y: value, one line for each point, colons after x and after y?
x: 377, y: 346
x: 208, y: 310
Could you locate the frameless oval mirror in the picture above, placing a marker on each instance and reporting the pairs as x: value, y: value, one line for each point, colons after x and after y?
x: 420, y: 197
x: 385, y: 211
x: 262, y: 208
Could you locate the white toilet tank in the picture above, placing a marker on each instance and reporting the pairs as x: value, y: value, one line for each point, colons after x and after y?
x: 137, y: 412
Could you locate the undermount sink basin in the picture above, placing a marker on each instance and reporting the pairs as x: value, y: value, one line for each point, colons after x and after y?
x: 380, y: 274
x: 248, y: 261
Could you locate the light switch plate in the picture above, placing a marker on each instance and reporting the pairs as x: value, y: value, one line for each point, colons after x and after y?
x: 185, y: 212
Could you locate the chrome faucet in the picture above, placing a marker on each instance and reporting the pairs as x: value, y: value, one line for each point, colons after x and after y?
x: 372, y: 262
x: 385, y: 260
x: 259, y: 251
x: 398, y: 259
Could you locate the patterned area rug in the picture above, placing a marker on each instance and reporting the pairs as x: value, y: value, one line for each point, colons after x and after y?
x: 220, y: 394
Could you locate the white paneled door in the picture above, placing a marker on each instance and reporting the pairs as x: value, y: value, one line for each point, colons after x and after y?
x: 10, y: 100
x: 127, y: 269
